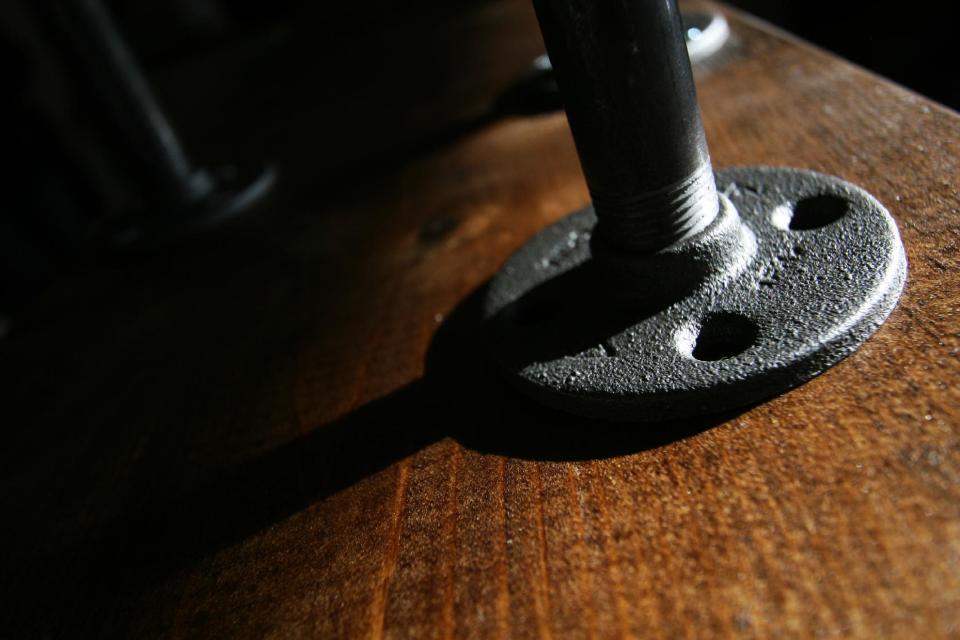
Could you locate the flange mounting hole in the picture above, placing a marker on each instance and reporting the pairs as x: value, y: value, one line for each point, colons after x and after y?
x: 723, y: 335
x: 817, y: 211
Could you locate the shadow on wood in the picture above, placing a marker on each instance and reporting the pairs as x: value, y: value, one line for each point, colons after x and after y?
x: 459, y: 397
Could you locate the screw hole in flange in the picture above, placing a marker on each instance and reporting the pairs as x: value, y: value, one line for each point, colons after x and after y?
x: 721, y: 336
x: 817, y: 211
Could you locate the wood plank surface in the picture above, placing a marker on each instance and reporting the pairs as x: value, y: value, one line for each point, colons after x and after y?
x: 291, y: 430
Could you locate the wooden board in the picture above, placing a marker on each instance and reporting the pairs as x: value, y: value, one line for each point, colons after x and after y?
x: 291, y: 429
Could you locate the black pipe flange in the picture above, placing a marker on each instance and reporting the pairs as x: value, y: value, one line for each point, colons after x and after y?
x: 680, y: 292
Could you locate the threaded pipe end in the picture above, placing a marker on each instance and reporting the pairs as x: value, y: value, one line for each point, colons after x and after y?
x: 658, y: 219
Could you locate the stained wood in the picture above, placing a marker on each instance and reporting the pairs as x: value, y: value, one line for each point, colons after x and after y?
x: 290, y: 430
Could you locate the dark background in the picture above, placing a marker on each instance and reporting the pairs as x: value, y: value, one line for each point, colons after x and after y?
x: 910, y: 43
x: 67, y: 171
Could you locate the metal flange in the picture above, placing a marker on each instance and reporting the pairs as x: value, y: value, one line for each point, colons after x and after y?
x: 820, y: 266
x: 679, y: 292
x: 705, y: 34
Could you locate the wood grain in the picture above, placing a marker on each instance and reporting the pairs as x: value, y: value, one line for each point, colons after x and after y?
x: 290, y: 431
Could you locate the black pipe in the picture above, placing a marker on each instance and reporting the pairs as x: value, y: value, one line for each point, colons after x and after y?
x: 625, y: 76
x: 127, y: 96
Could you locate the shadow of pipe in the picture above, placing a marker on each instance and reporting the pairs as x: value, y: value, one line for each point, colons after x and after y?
x: 459, y: 397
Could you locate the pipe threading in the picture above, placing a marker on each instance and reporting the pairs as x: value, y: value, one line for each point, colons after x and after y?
x: 652, y: 221
x: 631, y: 103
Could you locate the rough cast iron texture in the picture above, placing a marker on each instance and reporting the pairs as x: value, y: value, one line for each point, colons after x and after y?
x: 820, y: 267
